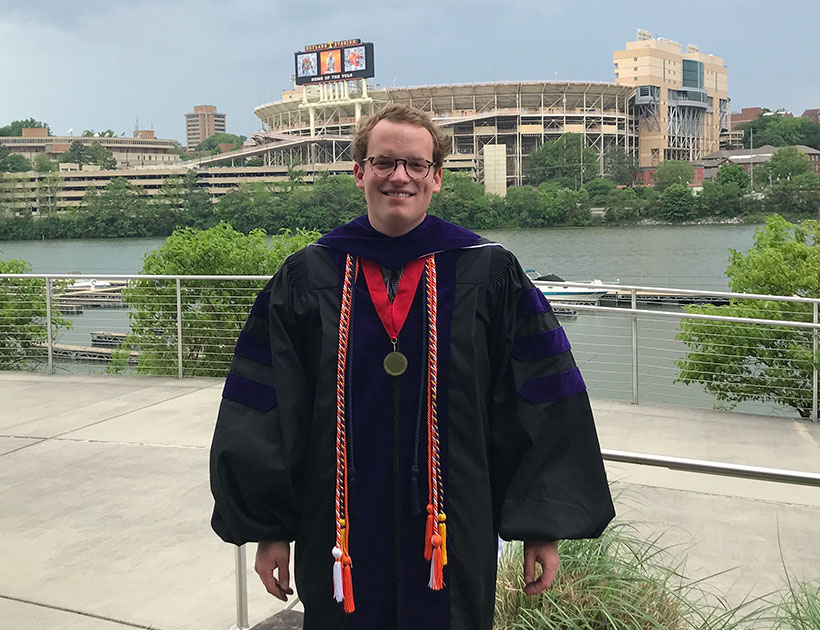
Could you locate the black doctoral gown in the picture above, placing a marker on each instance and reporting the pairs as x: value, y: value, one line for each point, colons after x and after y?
x: 520, y: 455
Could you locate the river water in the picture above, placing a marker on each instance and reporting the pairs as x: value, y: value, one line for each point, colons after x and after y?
x: 660, y: 256
x: 669, y: 256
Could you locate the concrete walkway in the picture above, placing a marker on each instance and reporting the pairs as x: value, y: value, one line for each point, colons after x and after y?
x: 105, y: 502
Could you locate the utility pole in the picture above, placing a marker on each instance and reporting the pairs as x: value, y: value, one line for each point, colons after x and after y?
x: 752, y: 159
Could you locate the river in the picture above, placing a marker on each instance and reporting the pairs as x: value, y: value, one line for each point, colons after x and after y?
x: 662, y: 256
x: 692, y: 256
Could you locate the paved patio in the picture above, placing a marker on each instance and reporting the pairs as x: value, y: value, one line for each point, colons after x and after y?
x: 105, y: 502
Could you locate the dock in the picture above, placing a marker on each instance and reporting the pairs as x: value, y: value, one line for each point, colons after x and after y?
x: 618, y: 298
x: 86, y: 353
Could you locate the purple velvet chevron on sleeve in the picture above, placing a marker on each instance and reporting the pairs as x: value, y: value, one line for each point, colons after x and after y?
x: 541, y: 345
x: 553, y: 387
x: 253, y: 348
x: 251, y: 393
x: 531, y: 301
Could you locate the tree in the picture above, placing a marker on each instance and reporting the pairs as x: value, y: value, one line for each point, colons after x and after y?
x: 461, y: 200
x: 24, y: 331
x: 77, y: 153
x: 737, y: 362
x: 599, y: 189
x: 786, y: 163
x: 90, y: 133
x: 780, y: 129
x: 671, y: 172
x: 676, y: 204
x: 13, y: 162
x: 566, y: 161
x: 15, y: 127
x: 725, y: 200
x: 733, y: 173
x: 797, y: 197
x: 623, y: 205
x: 212, y: 143
x: 119, y: 210
x: 620, y: 166
x: 98, y: 154
x: 213, y: 312
x: 43, y: 164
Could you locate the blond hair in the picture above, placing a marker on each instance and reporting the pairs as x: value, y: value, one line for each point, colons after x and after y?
x: 399, y: 113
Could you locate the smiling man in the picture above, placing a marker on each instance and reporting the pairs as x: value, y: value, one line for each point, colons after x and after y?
x: 400, y: 396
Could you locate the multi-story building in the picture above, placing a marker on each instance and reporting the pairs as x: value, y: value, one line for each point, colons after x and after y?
x: 143, y: 149
x: 494, y: 126
x: 201, y: 124
x: 681, y: 98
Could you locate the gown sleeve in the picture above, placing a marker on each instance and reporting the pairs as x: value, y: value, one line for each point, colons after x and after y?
x: 258, y: 451
x: 547, y: 474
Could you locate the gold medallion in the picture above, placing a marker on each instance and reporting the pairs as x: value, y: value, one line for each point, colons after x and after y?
x: 395, y: 363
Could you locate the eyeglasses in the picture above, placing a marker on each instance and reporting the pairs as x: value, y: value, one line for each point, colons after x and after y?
x: 383, y: 166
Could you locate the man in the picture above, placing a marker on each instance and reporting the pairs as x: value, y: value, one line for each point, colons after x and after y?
x: 400, y: 396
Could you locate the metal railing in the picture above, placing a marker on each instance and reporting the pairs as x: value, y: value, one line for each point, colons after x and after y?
x: 188, y: 325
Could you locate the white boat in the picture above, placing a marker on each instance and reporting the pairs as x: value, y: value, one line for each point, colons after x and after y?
x: 555, y: 291
x: 91, y: 285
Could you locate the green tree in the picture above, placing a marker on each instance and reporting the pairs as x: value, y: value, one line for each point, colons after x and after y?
x: 213, y: 312
x: 671, y: 172
x: 90, y: 133
x: 599, y: 189
x: 733, y: 173
x: 566, y: 161
x: 676, y: 204
x: 779, y: 129
x: 526, y: 205
x: 737, y: 362
x: 797, y: 197
x: 119, y: 210
x: 787, y: 163
x: 13, y: 162
x: 725, y: 200
x: 24, y: 332
x: 462, y: 200
x: 77, y: 153
x: 43, y: 164
x: 15, y: 127
x: 623, y: 205
x: 620, y: 166
x: 212, y: 143
x: 99, y: 155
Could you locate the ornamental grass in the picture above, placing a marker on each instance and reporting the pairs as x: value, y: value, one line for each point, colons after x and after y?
x: 620, y: 581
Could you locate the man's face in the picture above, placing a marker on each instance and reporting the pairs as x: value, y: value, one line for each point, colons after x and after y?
x: 397, y: 203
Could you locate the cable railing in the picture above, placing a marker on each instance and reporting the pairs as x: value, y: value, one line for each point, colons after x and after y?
x: 638, y: 344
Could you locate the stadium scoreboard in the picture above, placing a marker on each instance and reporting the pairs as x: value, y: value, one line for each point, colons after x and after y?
x: 334, y: 61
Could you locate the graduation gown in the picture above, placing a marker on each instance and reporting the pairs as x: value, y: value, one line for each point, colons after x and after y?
x: 519, y: 452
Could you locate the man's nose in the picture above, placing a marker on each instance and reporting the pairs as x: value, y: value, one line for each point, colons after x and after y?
x: 400, y: 175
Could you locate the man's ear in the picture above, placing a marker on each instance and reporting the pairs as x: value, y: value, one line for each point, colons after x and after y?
x: 437, y: 180
x: 358, y: 175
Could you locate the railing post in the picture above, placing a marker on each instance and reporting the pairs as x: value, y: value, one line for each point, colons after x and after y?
x: 49, y: 333
x: 179, y: 329
x: 241, y: 590
x: 634, y: 303
x: 814, y: 365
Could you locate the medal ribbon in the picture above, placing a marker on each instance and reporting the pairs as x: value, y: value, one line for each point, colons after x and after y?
x: 393, y: 314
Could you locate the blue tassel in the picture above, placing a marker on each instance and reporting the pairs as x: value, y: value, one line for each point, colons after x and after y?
x: 415, y: 503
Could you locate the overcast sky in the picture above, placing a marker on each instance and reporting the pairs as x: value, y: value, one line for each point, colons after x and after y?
x: 97, y: 64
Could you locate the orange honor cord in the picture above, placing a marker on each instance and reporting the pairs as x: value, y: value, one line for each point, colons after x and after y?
x: 342, y: 577
x: 434, y: 541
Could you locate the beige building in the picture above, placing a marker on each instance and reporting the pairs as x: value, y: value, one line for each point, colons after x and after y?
x: 201, y: 124
x: 681, y: 98
x: 494, y: 126
x: 143, y: 149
